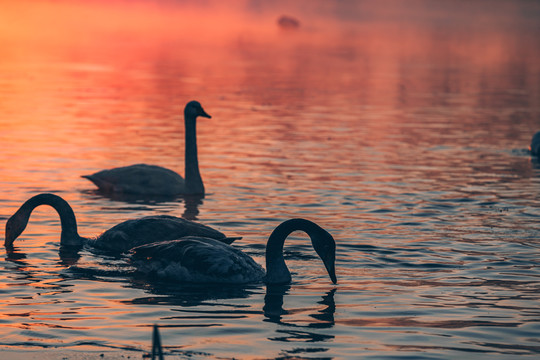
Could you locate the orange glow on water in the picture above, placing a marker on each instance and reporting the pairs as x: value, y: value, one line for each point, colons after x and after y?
x: 113, y: 76
x: 357, y: 118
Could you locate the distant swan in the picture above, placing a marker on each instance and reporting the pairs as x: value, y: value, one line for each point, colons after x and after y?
x: 203, y: 260
x: 535, y: 144
x: 155, y: 180
x: 119, y: 238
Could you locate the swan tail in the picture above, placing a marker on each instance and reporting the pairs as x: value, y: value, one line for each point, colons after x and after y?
x: 230, y: 240
x: 102, y: 185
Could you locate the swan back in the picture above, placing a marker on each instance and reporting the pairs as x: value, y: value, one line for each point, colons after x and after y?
x: 196, y: 259
x: 139, y: 179
x: 148, y: 229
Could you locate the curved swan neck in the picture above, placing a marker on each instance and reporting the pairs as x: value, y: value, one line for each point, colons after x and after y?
x: 194, y: 184
x: 69, y: 235
x: 276, y: 269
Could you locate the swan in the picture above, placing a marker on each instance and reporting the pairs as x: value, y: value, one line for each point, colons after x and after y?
x: 120, y: 238
x: 155, y: 180
x: 535, y: 144
x: 203, y: 260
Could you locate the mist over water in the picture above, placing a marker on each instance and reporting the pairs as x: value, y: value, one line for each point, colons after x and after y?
x: 402, y: 129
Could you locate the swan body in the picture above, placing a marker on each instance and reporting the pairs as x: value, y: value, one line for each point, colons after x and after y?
x: 535, y: 144
x: 120, y: 238
x: 139, y: 179
x: 156, y: 180
x: 198, y: 260
x: 204, y: 260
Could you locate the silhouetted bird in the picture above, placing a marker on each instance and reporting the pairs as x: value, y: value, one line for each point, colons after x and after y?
x: 155, y: 180
x: 203, y: 260
x: 119, y: 238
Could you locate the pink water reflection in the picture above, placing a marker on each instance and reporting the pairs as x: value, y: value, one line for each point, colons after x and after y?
x: 378, y: 120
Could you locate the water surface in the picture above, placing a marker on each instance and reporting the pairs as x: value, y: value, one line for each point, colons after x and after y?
x: 403, y: 130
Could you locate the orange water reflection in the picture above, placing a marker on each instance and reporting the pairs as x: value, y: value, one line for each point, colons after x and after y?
x: 91, y: 85
x: 360, y: 117
x: 86, y: 86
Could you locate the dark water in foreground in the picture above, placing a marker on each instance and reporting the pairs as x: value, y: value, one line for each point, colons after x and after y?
x: 401, y: 130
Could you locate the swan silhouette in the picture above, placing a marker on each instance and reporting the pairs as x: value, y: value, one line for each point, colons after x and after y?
x: 204, y: 260
x: 120, y: 238
x: 145, y: 179
x: 535, y: 144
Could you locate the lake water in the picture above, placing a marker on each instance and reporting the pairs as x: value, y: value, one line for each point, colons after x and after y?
x: 402, y: 129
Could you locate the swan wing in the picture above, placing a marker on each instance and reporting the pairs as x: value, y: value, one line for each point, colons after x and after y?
x: 196, y: 259
x: 138, y: 179
x: 149, y: 229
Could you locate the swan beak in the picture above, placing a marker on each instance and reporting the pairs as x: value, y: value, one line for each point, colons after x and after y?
x: 204, y: 114
x: 331, y: 268
x: 8, y: 242
x: 333, y: 277
x: 9, y: 238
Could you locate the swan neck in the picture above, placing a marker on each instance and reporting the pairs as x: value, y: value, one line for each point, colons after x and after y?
x: 194, y: 184
x: 69, y: 235
x: 323, y: 243
x: 276, y: 269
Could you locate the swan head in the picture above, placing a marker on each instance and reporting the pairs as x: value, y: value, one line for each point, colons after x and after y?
x: 194, y: 109
x: 14, y: 227
x: 325, y: 246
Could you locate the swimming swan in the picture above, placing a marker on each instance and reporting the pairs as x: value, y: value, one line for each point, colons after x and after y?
x: 203, y: 260
x: 535, y: 144
x: 156, y: 180
x: 120, y: 238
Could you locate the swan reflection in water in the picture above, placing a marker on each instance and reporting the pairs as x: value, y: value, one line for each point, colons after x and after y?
x: 291, y: 329
x: 294, y: 330
x: 191, y: 202
x: 191, y: 206
x: 185, y: 300
x: 274, y: 312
